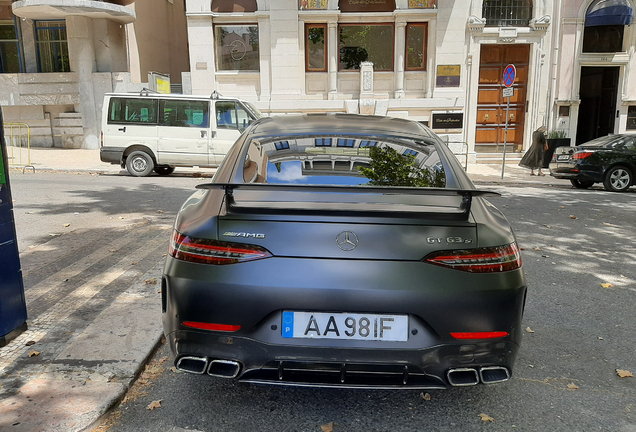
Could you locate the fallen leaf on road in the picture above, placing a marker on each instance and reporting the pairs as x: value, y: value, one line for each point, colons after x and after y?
x: 485, y: 417
x: 425, y: 396
x: 600, y: 338
x: 134, y: 263
x: 159, y: 211
x: 122, y: 217
x: 624, y: 373
x: 548, y: 226
x: 572, y: 217
x: 67, y: 225
x: 152, y: 281
x: 607, y: 285
x: 537, y: 248
x: 29, y: 343
x: 174, y: 369
x: 155, y: 404
x: 327, y: 427
x: 529, y: 330
x: 573, y: 386
x: 34, y: 353
x: 562, y: 207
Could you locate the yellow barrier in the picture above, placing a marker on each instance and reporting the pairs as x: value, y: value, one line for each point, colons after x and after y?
x: 13, y: 139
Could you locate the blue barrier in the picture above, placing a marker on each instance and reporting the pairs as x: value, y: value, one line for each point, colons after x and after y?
x: 13, y: 313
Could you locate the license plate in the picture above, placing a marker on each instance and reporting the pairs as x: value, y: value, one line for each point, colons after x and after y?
x: 319, y: 325
x: 563, y: 157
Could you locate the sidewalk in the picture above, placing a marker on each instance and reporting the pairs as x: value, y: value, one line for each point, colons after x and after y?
x: 77, y: 160
x: 89, y: 337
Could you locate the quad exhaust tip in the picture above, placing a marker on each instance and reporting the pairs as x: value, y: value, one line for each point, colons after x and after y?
x: 494, y: 374
x: 194, y: 365
x: 224, y: 368
x: 462, y: 377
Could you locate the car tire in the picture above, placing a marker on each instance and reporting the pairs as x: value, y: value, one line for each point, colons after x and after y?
x: 164, y: 170
x: 139, y: 163
x: 618, y: 179
x: 582, y: 184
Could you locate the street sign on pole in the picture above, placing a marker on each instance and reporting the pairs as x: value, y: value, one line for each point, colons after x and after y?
x: 509, y: 75
x: 508, y: 79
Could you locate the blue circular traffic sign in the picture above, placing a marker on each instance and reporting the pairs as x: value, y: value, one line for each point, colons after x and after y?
x: 509, y: 75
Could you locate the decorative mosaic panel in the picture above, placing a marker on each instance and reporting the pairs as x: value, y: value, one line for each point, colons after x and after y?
x: 422, y: 4
x: 312, y: 4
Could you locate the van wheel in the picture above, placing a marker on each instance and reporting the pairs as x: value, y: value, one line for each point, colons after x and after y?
x: 164, y: 170
x: 139, y: 163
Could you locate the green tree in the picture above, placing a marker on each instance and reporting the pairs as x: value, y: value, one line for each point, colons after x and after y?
x: 389, y: 168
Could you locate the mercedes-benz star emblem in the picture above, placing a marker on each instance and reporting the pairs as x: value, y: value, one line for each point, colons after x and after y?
x: 347, y: 240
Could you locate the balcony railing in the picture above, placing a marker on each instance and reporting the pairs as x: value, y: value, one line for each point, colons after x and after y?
x: 507, y: 13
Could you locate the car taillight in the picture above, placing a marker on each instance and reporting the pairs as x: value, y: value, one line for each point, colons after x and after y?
x: 480, y: 335
x: 482, y: 260
x: 102, y: 140
x: 581, y: 155
x: 206, y: 251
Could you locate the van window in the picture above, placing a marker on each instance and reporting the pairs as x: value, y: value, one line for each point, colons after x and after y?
x: 128, y: 110
x: 230, y: 115
x: 184, y: 113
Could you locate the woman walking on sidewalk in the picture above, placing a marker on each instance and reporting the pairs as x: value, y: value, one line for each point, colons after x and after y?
x: 533, y: 158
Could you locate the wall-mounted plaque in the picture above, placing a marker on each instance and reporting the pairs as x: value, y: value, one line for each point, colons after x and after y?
x: 448, y: 121
x: 448, y: 75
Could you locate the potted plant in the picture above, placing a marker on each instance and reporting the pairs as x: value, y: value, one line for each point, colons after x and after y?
x: 554, y: 138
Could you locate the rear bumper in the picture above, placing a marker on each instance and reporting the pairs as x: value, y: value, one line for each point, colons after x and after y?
x: 571, y: 171
x: 437, y: 300
x: 113, y: 155
x: 425, y: 368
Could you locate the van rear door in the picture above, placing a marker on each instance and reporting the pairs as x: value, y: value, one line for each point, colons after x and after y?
x: 131, y: 121
x: 184, y: 132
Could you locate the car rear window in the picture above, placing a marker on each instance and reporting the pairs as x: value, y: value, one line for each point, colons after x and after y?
x: 344, y: 161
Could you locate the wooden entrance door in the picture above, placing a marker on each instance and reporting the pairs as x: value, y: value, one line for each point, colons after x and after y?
x: 491, y: 105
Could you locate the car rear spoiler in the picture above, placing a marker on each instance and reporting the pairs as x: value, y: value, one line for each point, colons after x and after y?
x: 258, y: 198
x: 437, y: 203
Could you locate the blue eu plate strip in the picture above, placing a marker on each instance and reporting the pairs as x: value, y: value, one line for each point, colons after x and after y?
x: 288, y: 324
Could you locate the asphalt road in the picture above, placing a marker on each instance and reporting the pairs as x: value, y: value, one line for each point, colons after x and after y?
x: 578, y: 333
x: 51, y: 204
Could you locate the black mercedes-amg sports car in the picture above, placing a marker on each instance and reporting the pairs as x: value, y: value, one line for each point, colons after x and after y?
x: 343, y: 251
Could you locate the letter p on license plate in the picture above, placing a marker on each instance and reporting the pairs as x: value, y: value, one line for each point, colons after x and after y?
x: 320, y: 325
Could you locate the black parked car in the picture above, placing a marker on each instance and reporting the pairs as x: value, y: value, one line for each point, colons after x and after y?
x: 343, y: 251
x: 610, y: 160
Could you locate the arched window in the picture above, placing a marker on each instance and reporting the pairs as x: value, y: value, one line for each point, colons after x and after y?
x: 507, y: 13
x: 605, y: 22
x: 234, y: 6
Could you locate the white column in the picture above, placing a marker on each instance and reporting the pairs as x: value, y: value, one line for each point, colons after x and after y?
x: 202, y: 61
x: 332, y: 54
x: 81, y: 51
x: 400, y: 50
x: 265, y: 57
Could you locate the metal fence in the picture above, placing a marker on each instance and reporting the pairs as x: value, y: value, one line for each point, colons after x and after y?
x: 18, y: 139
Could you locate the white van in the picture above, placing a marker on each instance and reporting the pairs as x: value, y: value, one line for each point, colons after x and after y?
x: 148, y: 132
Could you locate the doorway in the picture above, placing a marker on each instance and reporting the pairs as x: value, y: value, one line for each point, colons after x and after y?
x: 598, y: 93
x: 491, y: 105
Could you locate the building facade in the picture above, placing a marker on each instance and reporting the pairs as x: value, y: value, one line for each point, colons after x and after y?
x: 59, y: 57
x: 438, y: 62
